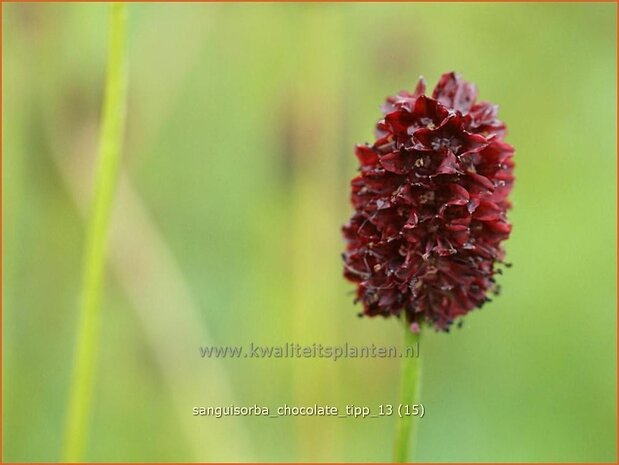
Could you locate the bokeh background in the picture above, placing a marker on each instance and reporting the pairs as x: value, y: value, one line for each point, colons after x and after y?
x: 241, y: 124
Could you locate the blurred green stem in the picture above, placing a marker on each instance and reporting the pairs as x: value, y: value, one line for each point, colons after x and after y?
x: 108, y: 159
x: 410, y: 389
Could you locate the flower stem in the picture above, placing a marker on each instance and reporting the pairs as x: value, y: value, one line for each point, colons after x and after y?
x: 110, y: 142
x: 410, y: 389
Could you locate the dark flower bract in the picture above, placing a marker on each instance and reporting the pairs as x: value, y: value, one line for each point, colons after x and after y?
x: 430, y: 206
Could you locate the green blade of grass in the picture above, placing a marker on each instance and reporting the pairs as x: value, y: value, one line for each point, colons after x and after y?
x: 110, y: 143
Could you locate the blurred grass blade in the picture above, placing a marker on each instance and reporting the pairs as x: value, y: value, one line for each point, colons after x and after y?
x: 96, y: 241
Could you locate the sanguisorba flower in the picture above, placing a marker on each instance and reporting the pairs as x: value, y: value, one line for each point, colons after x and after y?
x: 430, y: 206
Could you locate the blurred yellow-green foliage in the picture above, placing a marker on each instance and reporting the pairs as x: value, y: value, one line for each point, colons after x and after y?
x: 241, y: 123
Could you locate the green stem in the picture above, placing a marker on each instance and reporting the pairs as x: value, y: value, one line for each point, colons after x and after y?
x: 410, y: 389
x: 110, y: 143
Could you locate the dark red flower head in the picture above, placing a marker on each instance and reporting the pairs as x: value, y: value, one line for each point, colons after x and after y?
x: 430, y: 206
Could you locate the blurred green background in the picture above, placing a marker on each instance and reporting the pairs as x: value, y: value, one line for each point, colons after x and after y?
x: 241, y: 124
